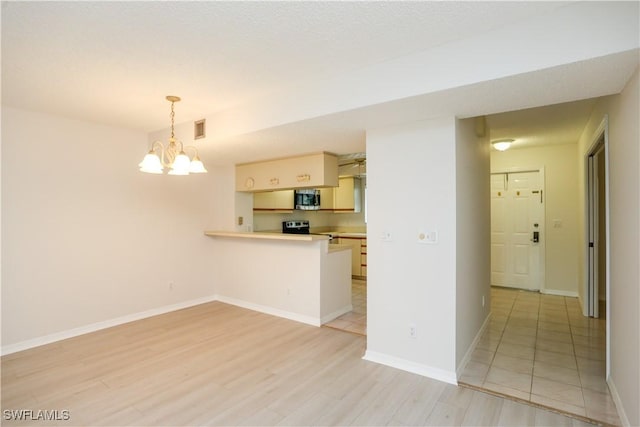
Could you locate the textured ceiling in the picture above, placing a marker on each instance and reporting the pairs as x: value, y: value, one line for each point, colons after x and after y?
x: 114, y: 62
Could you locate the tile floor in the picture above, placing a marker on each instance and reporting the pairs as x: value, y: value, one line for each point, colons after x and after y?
x: 541, y: 349
x: 356, y: 320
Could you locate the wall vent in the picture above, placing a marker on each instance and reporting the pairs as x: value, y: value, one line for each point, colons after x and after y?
x: 199, y: 129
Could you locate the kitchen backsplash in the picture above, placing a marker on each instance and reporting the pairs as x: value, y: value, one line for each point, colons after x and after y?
x: 318, y: 220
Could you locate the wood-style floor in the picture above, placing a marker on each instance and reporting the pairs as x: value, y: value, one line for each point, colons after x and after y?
x: 216, y: 364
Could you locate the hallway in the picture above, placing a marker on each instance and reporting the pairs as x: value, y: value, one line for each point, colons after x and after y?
x: 541, y: 349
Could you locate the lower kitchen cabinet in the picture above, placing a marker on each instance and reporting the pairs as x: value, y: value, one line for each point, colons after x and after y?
x: 358, y: 254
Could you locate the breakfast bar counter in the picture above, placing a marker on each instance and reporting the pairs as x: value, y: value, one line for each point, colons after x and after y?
x: 297, y: 276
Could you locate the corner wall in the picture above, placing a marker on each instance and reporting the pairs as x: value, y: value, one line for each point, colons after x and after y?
x: 473, y: 236
x: 624, y: 212
x: 86, y: 237
x: 411, y: 189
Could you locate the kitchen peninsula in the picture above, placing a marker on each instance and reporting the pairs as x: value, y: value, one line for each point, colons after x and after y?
x: 298, y: 277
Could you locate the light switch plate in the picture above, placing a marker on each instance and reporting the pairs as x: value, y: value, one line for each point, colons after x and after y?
x: 428, y: 236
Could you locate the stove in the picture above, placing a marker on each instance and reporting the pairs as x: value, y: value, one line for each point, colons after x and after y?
x: 295, y: 227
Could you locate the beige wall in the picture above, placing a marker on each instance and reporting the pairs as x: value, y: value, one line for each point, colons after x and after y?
x: 86, y: 237
x: 473, y: 236
x: 624, y: 212
x: 561, y: 203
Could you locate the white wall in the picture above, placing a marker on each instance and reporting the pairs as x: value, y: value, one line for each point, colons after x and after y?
x: 411, y: 188
x: 561, y: 203
x: 473, y: 236
x: 88, y: 238
x: 624, y: 197
x: 277, y: 277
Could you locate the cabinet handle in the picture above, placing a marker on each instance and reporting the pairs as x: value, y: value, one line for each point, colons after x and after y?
x: 304, y: 178
x: 274, y: 181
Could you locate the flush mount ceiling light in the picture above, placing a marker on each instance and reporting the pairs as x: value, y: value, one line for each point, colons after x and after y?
x: 172, y: 156
x: 502, y: 144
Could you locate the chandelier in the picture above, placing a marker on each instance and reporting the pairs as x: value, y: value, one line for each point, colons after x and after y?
x: 172, y: 156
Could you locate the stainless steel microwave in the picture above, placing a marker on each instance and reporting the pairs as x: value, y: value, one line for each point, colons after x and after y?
x: 307, y: 200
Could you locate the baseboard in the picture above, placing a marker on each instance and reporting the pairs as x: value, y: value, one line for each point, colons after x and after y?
x: 329, y: 317
x: 413, y: 367
x: 619, y: 406
x: 467, y: 356
x: 309, y: 320
x: 572, y: 294
x: 93, y: 327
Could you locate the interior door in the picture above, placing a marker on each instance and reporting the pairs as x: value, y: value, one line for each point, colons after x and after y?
x: 597, y: 229
x: 516, y: 229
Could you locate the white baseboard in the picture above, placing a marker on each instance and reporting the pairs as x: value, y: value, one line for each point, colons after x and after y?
x: 413, y: 367
x: 559, y: 293
x: 616, y: 399
x: 467, y: 356
x: 93, y: 327
x: 329, y: 317
x: 309, y: 320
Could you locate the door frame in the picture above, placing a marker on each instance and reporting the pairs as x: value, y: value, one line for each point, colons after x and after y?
x: 543, y: 219
x: 602, y: 132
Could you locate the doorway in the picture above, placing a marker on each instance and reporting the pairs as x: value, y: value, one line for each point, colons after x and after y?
x: 517, y: 229
x: 597, y: 229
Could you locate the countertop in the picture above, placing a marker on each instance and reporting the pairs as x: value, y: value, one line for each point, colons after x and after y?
x: 346, y: 234
x: 268, y: 236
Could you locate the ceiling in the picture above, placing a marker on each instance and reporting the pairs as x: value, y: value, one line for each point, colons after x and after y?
x: 114, y: 62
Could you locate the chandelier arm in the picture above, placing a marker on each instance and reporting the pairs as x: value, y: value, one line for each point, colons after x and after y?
x: 191, y: 147
x: 157, y: 146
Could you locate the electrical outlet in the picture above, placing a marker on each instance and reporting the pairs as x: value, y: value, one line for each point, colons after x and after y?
x: 412, y: 330
x: 386, y: 236
x: 240, y: 220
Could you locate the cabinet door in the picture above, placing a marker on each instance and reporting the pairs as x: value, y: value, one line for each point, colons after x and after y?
x: 363, y: 257
x: 326, y: 199
x: 346, y: 197
x: 273, y: 201
x: 356, y: 262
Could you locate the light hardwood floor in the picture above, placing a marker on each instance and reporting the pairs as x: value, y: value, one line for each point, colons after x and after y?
x: 215, y: 364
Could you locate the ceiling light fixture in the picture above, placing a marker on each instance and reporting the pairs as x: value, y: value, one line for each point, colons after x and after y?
x: 502, y: 144
x: 172, y: 156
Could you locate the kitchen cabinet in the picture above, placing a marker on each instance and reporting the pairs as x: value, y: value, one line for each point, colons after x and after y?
x: 309, y: 171
x: 358, y: 254
x: 326, y: 199
x: 271, y: 201
x: 345, y: 198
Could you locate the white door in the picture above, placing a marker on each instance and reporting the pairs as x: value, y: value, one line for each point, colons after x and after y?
x: 597, y: 229
x: 517, y: 227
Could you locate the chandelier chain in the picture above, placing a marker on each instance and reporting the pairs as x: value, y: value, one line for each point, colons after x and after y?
x: 173, y: 114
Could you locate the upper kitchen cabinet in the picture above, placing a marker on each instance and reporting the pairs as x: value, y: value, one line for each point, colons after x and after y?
x: 273, y: 201
x: 347, y: 197
x: 308, y: 171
